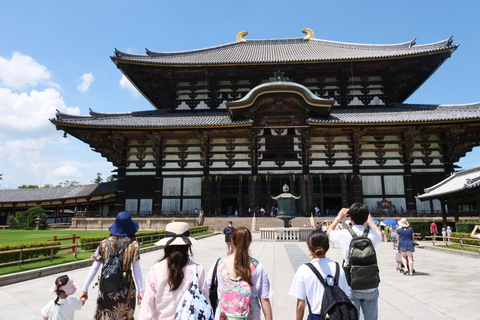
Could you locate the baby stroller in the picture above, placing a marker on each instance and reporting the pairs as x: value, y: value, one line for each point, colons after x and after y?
x: 400, y: 267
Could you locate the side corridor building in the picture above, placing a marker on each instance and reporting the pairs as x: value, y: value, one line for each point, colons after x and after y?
x: 233, y: 123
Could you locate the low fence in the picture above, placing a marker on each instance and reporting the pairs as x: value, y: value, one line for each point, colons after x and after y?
x: 73, y: 237
x: 76, y: 248
x: 285, y: 234
x: 461, y: 241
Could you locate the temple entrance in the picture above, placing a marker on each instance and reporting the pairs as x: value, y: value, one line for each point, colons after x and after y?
x: 229, y: 205
x: 331, y: 205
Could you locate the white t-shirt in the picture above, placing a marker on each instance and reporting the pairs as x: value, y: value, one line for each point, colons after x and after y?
x: 343, y: 238
x: 305, y: 283
x: 261, y: 286
x: 66, y: 307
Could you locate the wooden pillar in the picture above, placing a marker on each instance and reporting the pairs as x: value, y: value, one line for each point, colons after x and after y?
x: 120, y: 193
x: 240, y: 207
x: 158, y: 192
x: 268, y: 193
x: 304, y: 210
x: 478, y: 204
x: 63, y: 210
x: 252, y: 190
x: 357, y: 189
x: 207, y: 195
x: 407, y: 180
x: 310, y: 199
x: 218, y: 195
x: 343, y: 181
x: 444, y: 213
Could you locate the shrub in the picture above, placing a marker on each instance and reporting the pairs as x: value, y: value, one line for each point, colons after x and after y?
x: 26, y: 220
x: 8, y: 257
x: 466, y: 238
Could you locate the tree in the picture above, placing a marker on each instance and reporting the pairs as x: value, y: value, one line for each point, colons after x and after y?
x: 30, y: 186
x: 111, y: 178
x: 98, y: 179
x: 68, y: 183
x: 27, y: 219
x: 48, y: 185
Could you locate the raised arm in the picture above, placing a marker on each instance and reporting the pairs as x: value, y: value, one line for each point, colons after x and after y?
x: 340, y: 216
x: 473, y: 235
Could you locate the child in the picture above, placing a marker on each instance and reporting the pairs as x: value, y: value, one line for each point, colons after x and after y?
x: 63, y: 308
x: 444, y: 234
x: 449, y: 233
x: 305, y: 284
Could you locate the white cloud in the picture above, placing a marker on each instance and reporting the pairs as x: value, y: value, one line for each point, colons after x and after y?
x: 27, y: 113
x: 85, y: 82
x: 66, y: 172
x: 22, y: 71
x: 126, y: 84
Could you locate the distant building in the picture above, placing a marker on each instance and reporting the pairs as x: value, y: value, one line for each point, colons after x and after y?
x: 459, y: 194
x: 233, y: 123
x: 60, y: 202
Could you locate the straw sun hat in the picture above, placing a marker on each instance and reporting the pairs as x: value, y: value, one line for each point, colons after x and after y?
x: 403, y: 223
x: 176, y: 234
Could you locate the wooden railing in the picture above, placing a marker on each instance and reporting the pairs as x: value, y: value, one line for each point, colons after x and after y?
x: 76, y: 248
x: 447, y: 240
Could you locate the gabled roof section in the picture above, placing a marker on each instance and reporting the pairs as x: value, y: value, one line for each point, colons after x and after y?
x: 284, y: 51
x: 457, y: 182
x: 57, y: 193
x: 314, y: 106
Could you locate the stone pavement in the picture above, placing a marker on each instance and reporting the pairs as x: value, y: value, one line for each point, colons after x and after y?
x: 445, y: 286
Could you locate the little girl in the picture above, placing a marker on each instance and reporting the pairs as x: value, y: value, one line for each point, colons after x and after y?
x: 305, y: 284
x: 63, y: 308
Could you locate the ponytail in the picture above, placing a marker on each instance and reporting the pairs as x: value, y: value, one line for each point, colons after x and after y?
x: 177, y: 258
x: 241, y: 242
x: 60, y: 281
x: 318, y: 243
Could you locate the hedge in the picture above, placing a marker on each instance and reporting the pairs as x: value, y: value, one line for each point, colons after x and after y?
x: 158, y: 234
x: 466, y: 238
x: 14, y: 256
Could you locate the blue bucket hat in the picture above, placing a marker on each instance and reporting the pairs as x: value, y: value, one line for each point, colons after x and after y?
x: 123, y: 225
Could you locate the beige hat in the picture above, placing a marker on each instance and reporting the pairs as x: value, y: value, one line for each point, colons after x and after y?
x: 176, y: 234
x: 403, y: 223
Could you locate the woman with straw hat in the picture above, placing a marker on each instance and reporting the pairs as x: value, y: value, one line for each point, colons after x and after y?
x: 119, y: 304
x: 170, y: 277
x: 406, y: 245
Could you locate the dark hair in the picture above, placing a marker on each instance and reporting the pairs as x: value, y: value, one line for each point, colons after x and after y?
x: 318, y: 243
x: 241, y: 242
x: 358, y: 212
x: 230, y: 222
x: 119, y: 241
x: 177, y: 258
x: 60, y: 281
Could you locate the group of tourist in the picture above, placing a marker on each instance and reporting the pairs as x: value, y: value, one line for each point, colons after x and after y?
x: 171, y: 277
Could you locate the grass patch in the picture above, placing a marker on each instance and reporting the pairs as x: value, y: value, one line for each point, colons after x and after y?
x: 58, y: 260
x: 457, y: 247
x: 16, y: 236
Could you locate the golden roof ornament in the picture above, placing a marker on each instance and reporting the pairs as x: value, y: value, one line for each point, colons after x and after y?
x: 308, y: 32
x: 240, y: 36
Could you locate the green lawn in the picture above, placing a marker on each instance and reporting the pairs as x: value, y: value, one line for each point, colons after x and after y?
x: 10, y: 236
x: 16, y: 236
x: 457, y: 247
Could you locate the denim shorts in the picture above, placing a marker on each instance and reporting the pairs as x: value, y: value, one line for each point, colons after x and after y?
x: 405, y: 249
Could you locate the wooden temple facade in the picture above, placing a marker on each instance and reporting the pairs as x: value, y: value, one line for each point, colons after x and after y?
x: 232, y: 124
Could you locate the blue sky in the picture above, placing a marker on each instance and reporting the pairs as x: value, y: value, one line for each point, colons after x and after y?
x: 56, y: 55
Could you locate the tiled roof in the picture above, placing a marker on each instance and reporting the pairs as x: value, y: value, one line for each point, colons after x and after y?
x: 58, y: 193
x: 458, y: 181
x: 403, y: 113
x: 399, y: 113
x: 284, y: 50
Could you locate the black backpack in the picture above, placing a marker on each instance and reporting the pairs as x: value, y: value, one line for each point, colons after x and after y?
x: 362, y: 269
x: 335, y: 303
x: 112, y: 277
x: 228, y: 233
x: 213, y: 294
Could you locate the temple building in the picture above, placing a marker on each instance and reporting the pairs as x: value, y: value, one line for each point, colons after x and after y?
x: 232, y: 124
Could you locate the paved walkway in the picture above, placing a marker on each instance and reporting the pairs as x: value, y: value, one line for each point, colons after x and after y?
x: 445, y: 287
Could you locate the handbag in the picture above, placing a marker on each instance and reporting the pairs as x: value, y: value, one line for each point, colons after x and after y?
x: 213, y: 293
